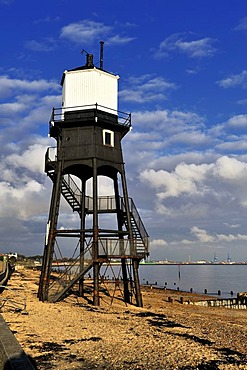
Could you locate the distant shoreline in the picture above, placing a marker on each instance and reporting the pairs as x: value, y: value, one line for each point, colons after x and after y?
x: 193, y: 263
x: 156, y: 263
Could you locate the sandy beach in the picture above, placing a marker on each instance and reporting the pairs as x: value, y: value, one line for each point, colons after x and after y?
x: 73, y: 334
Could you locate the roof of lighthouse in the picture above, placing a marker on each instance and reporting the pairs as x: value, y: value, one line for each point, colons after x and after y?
x: 89, y: 65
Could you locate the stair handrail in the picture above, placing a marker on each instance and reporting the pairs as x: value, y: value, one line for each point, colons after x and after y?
x: 73, y: 187
x: 137, y: 218
x: 68, y: 181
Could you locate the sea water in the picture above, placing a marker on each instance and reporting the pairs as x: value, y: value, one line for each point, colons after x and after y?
x: 226, y: 279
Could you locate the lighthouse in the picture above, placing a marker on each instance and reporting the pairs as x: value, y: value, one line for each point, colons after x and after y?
x: 88, y: 129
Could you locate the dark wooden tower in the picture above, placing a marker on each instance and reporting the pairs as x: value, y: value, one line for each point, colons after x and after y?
x: 88, y: 130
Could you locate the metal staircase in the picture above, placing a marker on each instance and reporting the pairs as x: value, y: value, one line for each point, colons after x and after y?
x: 73, y: 196
x: 71, y: 193
x: 69, y: 190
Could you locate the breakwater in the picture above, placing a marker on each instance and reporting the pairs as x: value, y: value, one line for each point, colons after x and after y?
x: 233, y: 303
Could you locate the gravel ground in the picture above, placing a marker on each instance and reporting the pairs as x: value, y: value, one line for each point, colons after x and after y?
x: 73, y: 334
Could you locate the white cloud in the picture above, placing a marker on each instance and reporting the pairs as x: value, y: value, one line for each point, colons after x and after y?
x: 171, y: 121
x: 24, y: 187
x: 157, y: 83
x: 179, y: 42
x: 195, y: 138
x: 119, y: 40
x: 184, y: 179
x: 192, y: 71
x: 47, y: 20
x: 146, y: 88
x: 226, y: 238
x: 239, y: 121
x: 191, y: 157
x: 45, y: 45
x: 241, y: 237
x: 88, y: 31
x: 238, y: 80
x: 31, y: 159
x: 11, y: 86
x: 202, y: 235
x: 163, y: 210
x: 242, y: 102
x: 242, y: 26
x: 158, y: 243
x: 230, y: 136
x: 185, y: 242
x: 6, y: 2
x: 233, y: 146
x: 85, y: 31
x: 232, y: 226
x: 211, y: 191
x: 12, y: 108
x: 230, y: 169
x: 22, y: 202
x: 138, y: 96
x: 105, y: 186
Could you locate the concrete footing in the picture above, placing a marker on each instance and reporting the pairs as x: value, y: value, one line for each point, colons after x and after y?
x: 12, y: 357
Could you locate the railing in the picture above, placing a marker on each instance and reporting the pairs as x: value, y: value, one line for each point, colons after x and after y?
x: 115, y: 247
x: 108, y: 203
x: 105, y: 203
x: 51, y: 154
x: 59, y: 114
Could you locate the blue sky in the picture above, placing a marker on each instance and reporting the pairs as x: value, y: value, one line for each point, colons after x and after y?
x: 183, y: 76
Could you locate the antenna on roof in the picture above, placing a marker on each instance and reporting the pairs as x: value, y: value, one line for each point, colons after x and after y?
x: 89, y: 58
x: 101, y: 54
x: 84, y: 51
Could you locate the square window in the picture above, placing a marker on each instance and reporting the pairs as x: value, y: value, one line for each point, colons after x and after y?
x: 108, y: 137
